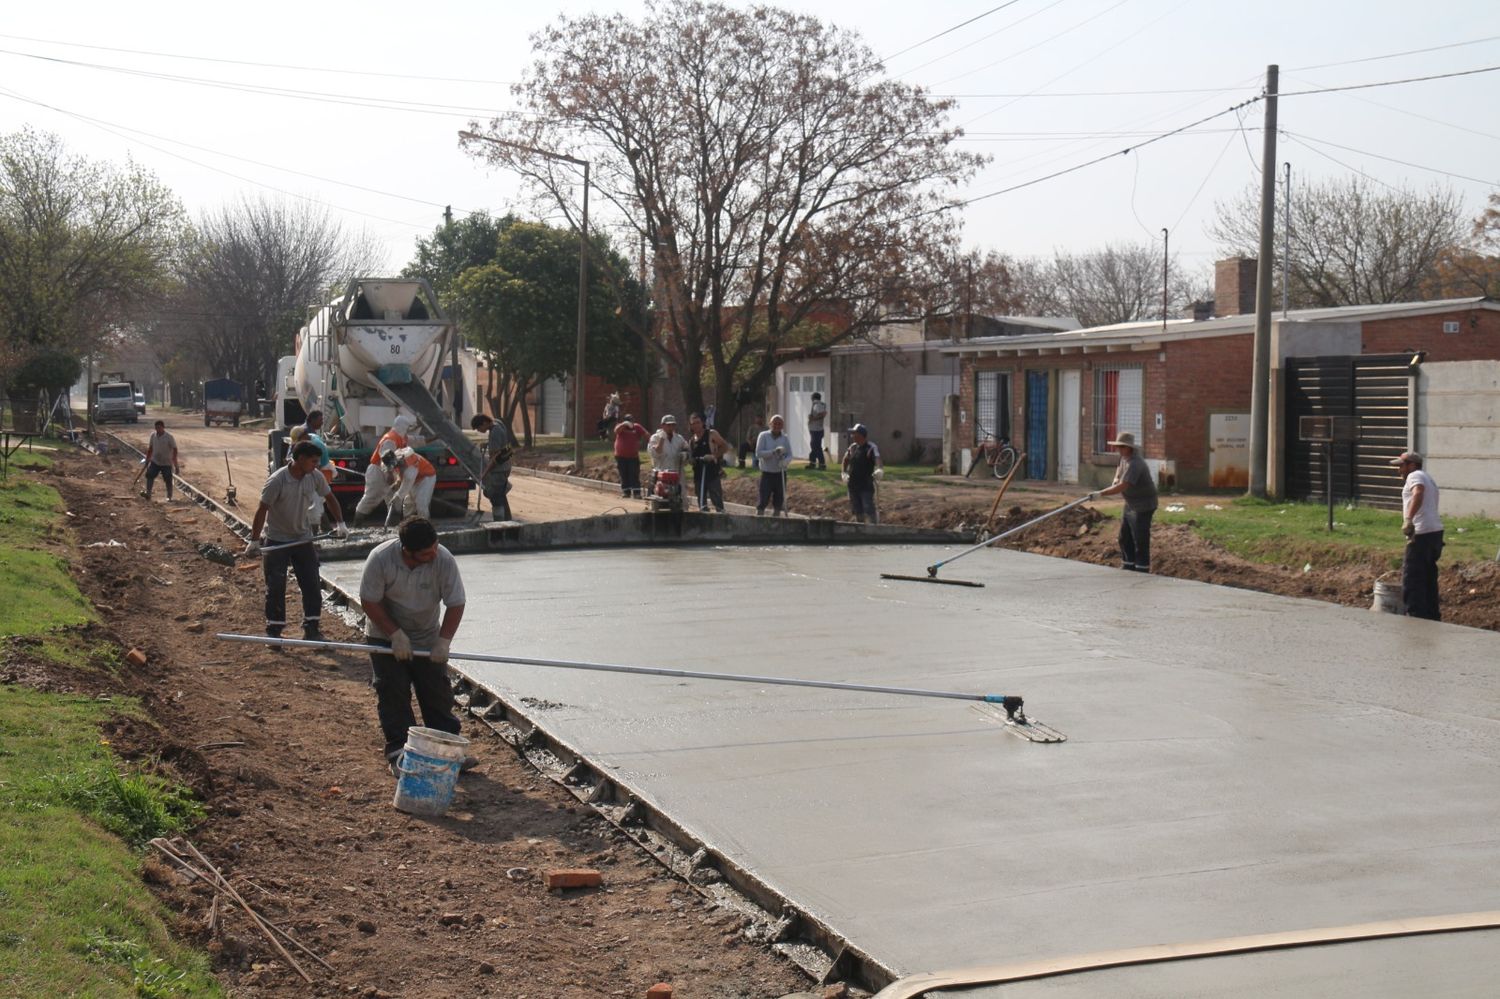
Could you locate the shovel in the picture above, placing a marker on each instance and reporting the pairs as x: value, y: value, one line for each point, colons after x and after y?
x: 229, y: 496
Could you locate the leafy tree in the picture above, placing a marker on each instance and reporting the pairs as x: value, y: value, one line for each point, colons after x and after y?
x: 761, y: 155
x: 84, y: 246
x: 455, y: 247
x: 1351, y: 242
x: 520, y: 310
x: 1472, y: 268
x: 246, y: 277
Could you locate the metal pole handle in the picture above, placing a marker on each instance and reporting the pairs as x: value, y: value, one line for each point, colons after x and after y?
x: 933, y: 568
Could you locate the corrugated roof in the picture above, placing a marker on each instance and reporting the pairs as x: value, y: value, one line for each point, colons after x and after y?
x: 1155, y: 331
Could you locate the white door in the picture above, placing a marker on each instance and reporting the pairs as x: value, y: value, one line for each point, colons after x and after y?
x: 799, y: 390
x: 1069, y: 404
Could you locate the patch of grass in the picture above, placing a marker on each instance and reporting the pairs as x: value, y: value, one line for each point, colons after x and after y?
x: 64, y: 880
x: 37, y: 596
x: 1296, y: 533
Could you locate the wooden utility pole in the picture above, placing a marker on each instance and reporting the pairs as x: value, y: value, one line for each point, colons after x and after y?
x: 1260, y: 389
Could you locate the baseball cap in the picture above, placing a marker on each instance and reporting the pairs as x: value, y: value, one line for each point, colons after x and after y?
x: 1407, y: 456
x: 669, y: 418
x: 860, y: 428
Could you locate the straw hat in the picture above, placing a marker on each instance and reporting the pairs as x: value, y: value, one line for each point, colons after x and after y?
x: 1127, y: 439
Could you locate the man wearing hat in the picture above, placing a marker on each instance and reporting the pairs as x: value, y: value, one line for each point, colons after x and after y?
x: 668, y: 448
x: 862, y: 466
x: 1134, y: 483
x: 1424, y: 537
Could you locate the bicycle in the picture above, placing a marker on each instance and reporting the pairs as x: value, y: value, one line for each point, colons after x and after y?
x: 997, y: 453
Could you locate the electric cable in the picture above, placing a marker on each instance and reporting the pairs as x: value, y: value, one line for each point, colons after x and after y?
x: 1335, y: 160
x: 981, y: 38
x: 1413, y: 114
x: 1391, y: 159
x: 1036, y: 45
x: 1390, y: 83
x: 1397, y: 55
x: 1213, y: 167
x: 948, y: 31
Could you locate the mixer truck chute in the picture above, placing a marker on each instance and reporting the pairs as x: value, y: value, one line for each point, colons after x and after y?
x: 379, y: 350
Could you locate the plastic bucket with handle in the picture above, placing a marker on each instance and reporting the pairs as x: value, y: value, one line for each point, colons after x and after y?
x: 429, y: 771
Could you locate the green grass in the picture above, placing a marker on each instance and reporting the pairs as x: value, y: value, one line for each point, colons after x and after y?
x: 75, y: 919
x: 1296, y: 533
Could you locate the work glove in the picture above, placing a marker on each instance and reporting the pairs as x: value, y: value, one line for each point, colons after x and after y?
x: 879, y: 473
x: 341, y: 531
x: 1408, y: 528
x: 779, y: 452
x: 252, y: 547
x: 1091, y: 497
x: 401, y: 646
x: 844, y: 478
x: 439, y: 651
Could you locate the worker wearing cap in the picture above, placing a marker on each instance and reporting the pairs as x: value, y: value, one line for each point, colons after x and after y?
x: 377, y: 479
x: 668, y: 448
x: 1424, y: 538
x: 495, y: 479
x: 862, y: 467
x: 312, y: 430
x: 773, y: 451
x: 403, y: 583
x: 1133, y: 482
x: 415, y: 478
x: 282, y: 514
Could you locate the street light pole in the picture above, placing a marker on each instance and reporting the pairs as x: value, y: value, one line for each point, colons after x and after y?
x: 583, y: 287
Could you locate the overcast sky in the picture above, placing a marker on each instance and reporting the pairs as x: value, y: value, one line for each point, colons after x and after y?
x: 1042, y: 85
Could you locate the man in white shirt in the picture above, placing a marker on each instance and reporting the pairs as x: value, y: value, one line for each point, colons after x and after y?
x: 817, y: 416
x: 668, y: 449
x: 161, y: 459
x: 1424, y: 538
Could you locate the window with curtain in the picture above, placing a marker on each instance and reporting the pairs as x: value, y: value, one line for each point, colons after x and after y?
x: 1119, y: 404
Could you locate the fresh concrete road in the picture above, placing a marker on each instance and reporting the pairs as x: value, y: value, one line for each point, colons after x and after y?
x: 1238, y: 763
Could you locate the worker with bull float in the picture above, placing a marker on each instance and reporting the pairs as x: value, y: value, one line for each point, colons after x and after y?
x: 1423, y: 528
x: 377, y: 475
x: 404, y: 582
x: 1135, y: 484
x: 161, y: 459
x: 282, y: 515
x: 495, y: 479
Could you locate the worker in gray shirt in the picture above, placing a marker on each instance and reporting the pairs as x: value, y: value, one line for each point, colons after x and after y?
x: 773, y: 452
x: 495, y: 479
x: 282, y: 516
x: 404, y: 582
x: 161, y: 459
x: 1134, y: 483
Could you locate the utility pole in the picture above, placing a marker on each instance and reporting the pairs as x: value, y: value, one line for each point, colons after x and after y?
x: 1260, y: 389
x: 1166, y: 237
x: 1286, y: 243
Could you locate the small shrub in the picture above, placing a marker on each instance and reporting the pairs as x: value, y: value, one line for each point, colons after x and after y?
x: 136, y: 807
x: 151, y: 977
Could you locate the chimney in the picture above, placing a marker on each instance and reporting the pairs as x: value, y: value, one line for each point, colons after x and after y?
x: 1201, y: 311
x: 1234, y: 286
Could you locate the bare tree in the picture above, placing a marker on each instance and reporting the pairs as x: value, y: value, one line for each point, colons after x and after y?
x: 1351, y: 242
x: 791, y: 197
x: 247, y: 276
x: 1118, y: 283
x: 1472, y: 268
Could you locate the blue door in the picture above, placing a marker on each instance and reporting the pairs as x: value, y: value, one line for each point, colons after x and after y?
x: 1036, y: 424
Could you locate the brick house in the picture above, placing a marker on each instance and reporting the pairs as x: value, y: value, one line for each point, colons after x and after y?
x: 1183, y: 386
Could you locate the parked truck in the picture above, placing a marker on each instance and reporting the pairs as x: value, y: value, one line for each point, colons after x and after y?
x: 223, y: 401
x: 112, y: 397
x: 381, y: 349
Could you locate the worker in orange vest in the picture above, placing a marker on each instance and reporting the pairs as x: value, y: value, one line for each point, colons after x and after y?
x: 377, y: 480
x: 414, y: 478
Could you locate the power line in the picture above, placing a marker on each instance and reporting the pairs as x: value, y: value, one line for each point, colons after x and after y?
x: 1416, y: 114
x: 949, y: 31
x: 1068, y: 30
x: 259, y: 65
x: 1391, y: 159
x: 1212, y: 169
x: 1397, y: 55
x: 1390, y: 83
x: 1332, y: 159
x: 982, y: 38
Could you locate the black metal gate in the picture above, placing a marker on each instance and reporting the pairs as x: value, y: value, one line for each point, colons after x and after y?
x: 1371, y: 388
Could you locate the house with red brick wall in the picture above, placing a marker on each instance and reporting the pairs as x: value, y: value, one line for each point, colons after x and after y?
x: 1183, y: 387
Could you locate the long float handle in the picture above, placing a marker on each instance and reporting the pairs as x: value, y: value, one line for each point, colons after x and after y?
x: 1011, y: 704
x: 934, y: 567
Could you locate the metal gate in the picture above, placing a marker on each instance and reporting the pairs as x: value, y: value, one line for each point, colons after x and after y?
x: 1036, y: 424
x: 1374, y: 389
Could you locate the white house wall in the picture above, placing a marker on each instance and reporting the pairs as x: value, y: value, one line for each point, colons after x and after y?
x: 1458, y: 433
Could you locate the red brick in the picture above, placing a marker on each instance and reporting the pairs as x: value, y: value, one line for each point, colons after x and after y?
x: 135, y: 657
x: 573, y: 877
x: 661, y: 990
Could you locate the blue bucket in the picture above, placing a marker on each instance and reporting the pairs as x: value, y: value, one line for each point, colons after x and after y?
x: 426, y: 784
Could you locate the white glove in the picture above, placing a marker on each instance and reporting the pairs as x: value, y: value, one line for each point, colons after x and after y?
x: 252, y: 547
x: 879, y: 473
x: 1408, y: 528
x: 844, y: 477
x: 779, y: 452
x: 341, y: 531
x: 439, y: 651
x: 401, y: 646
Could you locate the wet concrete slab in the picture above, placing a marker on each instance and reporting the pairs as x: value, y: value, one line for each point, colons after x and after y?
x: 1237, y: 762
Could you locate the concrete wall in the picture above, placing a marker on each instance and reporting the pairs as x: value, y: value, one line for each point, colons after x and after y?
x: 1313, y: 340
x: 879, y: 389
x: 1458, y: 433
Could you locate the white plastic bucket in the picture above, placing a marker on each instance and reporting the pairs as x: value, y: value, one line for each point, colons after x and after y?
x: 432, y: 742
x: 1388, y: 598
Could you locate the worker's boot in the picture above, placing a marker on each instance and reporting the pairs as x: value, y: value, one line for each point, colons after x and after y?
x: 310, y: 632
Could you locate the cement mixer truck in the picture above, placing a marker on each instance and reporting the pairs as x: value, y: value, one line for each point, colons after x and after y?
x: 382, y: 349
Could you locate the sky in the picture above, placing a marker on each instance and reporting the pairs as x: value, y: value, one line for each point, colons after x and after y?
x: 277, y: 100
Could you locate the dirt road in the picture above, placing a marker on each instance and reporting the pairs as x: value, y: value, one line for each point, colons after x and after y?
x: 203, y: 451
